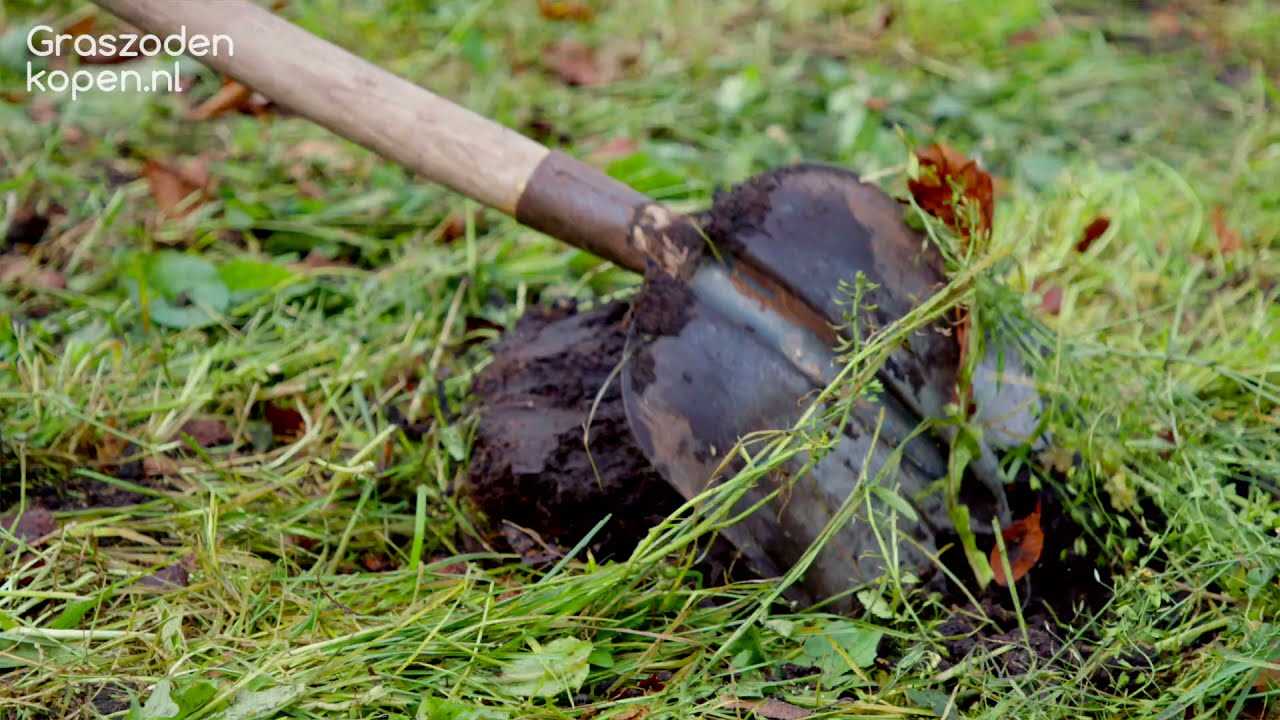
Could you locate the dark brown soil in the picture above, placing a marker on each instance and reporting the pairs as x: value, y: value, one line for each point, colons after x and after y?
x: 530, y: 465
x: 69, y: 493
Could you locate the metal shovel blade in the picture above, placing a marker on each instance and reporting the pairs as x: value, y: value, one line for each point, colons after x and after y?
x: 748, y: 342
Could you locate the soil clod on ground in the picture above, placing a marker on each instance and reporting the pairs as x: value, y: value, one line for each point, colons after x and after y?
x: 531, y: 466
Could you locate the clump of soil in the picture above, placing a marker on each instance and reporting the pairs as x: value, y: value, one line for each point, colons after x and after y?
x: 531, y: 466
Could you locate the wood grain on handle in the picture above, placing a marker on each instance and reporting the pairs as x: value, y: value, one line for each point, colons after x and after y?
x: 352, y: 97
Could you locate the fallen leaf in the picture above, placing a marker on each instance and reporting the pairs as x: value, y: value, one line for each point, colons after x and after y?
x: 453, y: 228
x: 21, y: 270
x: 207, y: 432
x: 944, y: 172
x: 1025, y: 541
x: 577, y: 64
x: 376, y: 562
x: 35, y: 523
x: 1051, y: 301
x: 1093, y: 231
x: 1228, y: 239
x: 285, y: 422
x: 1050, y: 28
x: 158, y: 466
x: 611, y: 150
x: 876, y: 104
x: 561, y: 10
x: 1268, y: 678
x: 172, y: 186
x: 83, y: 26
x: 174, y: 576
x: 109, y: 448
x: 654, y: 682
x: 233, y: 96
x: 1165, y: 22
x: 317, y: 259
x: 771, y: 708
x: 1025, y: 36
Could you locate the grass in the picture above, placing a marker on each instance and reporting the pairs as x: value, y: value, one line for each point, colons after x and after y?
x: 1162, y: 369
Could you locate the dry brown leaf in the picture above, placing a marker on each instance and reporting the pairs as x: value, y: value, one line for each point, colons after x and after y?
x: 771, y: 708
x: 172, y: 186
x: 577, y: 64
x: 231, y: 97
x: 1268, y: 678
x: 33, y: 524
x: 377, y: 562
x: 172, y: 577
x: 876, y: 104
x: 154, y: 466
x: 1051, y: 301
x: 285, y: 422
x: 207, y: 432
x: 561, y: 10
x: 83, y: 26
x: 1093, y: 231
x: 1024, y: 540
x: 611, y: 150
x: 453, y: 228
x: 1228, y: 239
x: 316, y: 259
x: 1165, y: 22
x: 943, y: 169
x: 21, y: 270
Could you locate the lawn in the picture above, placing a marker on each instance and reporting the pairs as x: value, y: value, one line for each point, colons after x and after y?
x: 237, y: 357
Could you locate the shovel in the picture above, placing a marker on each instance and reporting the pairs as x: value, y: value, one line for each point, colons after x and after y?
x: 736, y: 328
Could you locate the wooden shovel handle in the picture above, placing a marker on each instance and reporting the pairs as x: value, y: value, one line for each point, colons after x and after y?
x: 546, y: 190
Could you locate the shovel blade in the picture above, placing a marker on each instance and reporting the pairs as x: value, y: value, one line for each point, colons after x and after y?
x: 692, y: 395
x: 751, y: 343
